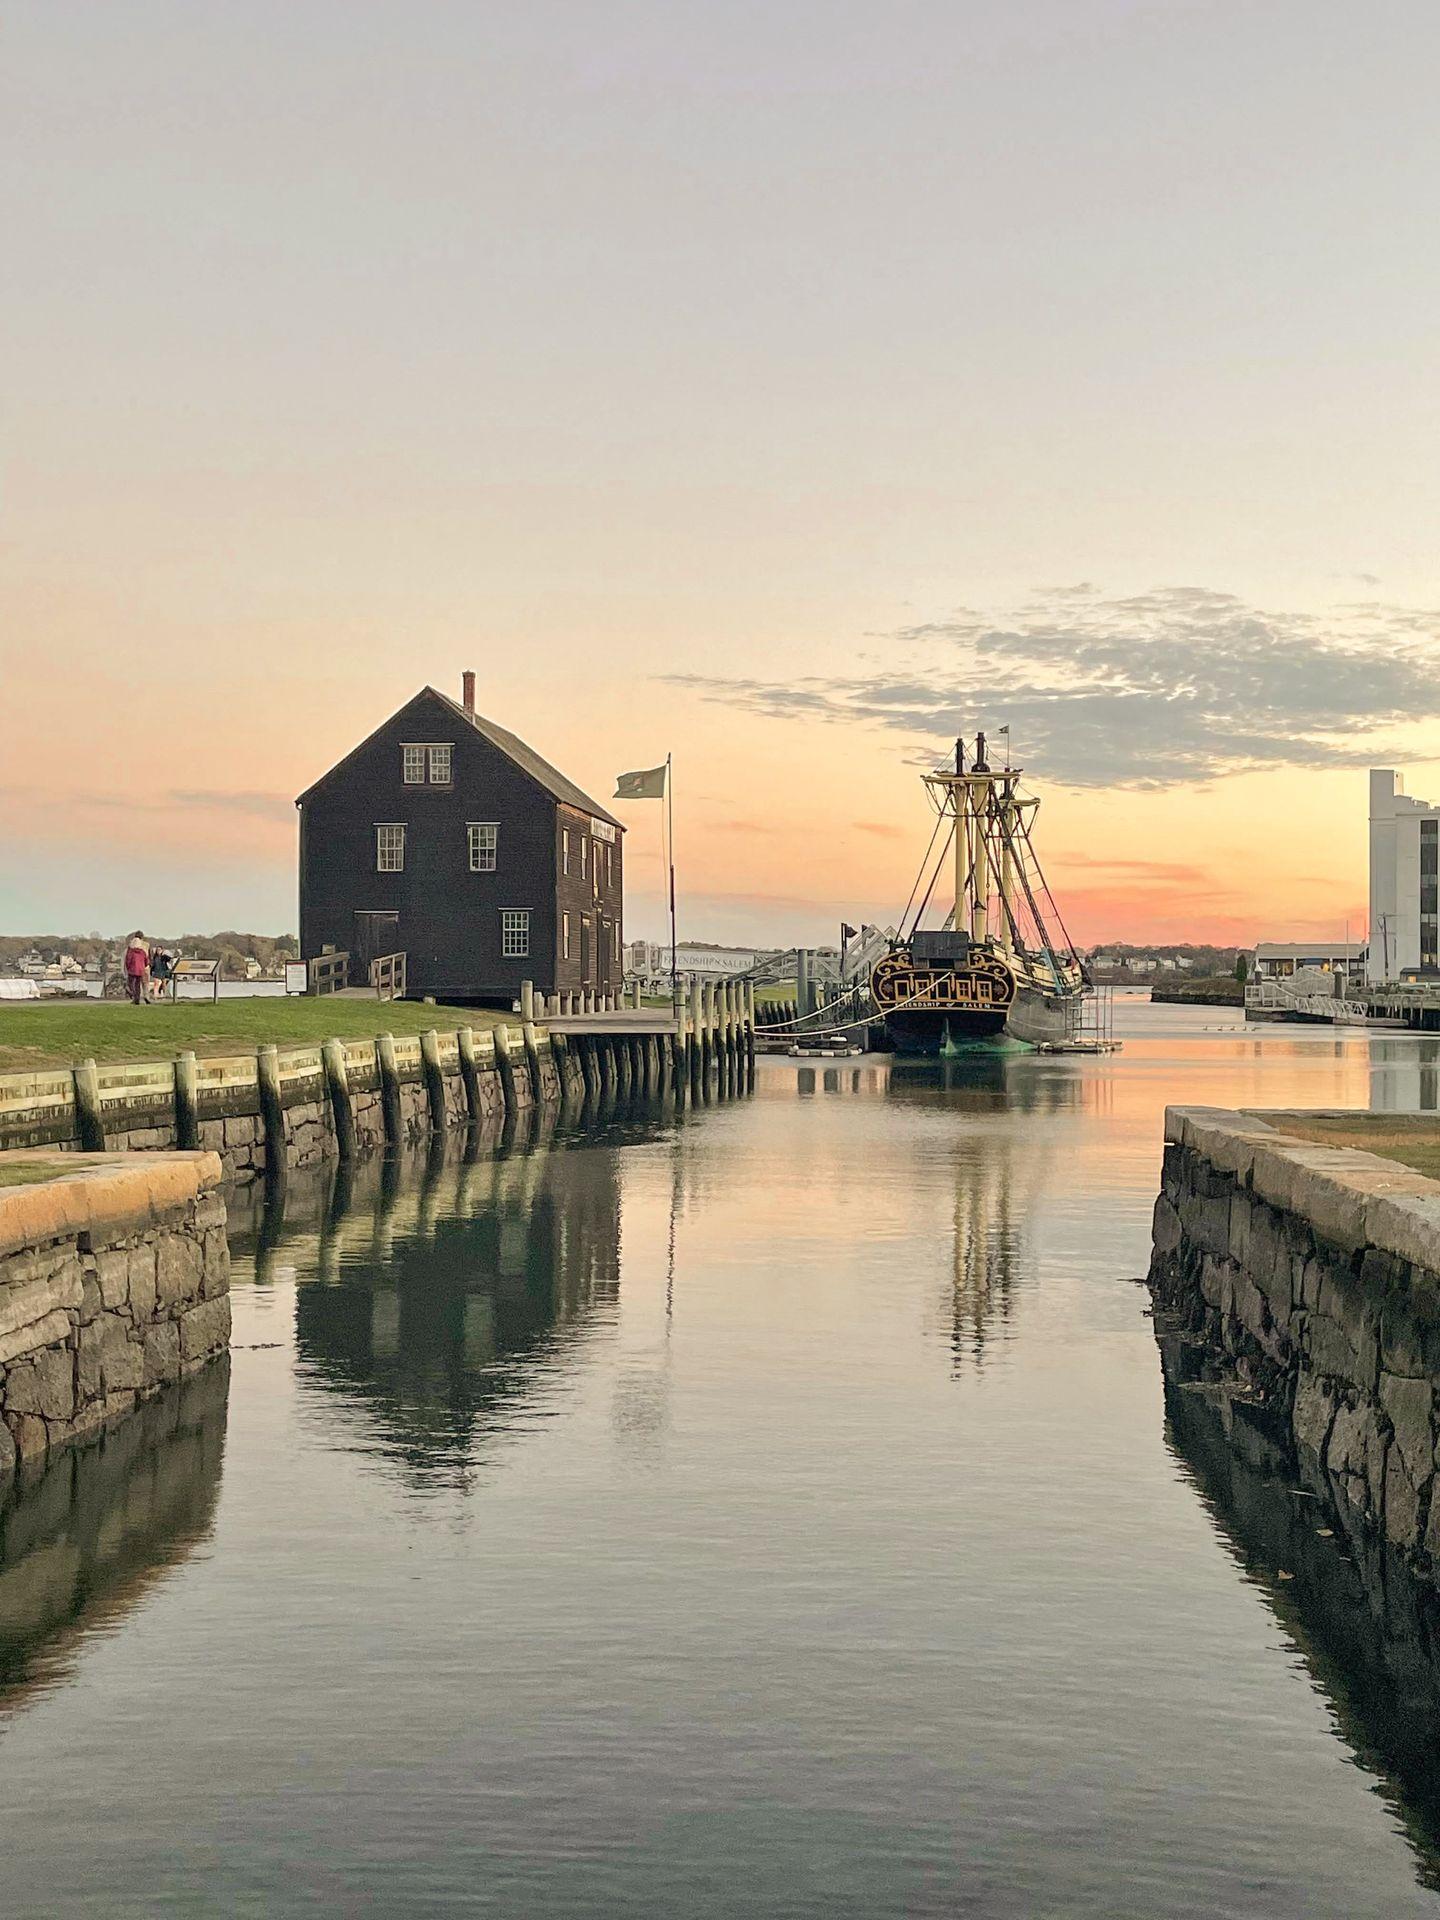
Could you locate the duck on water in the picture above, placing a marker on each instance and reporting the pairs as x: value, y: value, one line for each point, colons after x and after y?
x: 1000, y: 966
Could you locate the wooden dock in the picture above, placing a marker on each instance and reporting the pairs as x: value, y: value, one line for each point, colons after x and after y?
x: 618, y: 1022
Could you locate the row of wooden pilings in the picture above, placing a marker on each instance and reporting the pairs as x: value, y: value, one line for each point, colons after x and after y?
x: 712, y: 1048
x: 713, y: 1041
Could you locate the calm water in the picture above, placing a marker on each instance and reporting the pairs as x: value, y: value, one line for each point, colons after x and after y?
x: 770, y: 1514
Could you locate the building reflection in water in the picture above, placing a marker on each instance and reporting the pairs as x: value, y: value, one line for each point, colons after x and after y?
x: 1368, y: 1633
x: 85, y: 1540
x: 445, y: 1295
x: 1404, y: 1073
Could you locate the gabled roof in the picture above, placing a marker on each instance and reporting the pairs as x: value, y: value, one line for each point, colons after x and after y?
x: 511, y: 745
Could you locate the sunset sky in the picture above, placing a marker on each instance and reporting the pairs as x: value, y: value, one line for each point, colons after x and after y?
x: 780, y: 385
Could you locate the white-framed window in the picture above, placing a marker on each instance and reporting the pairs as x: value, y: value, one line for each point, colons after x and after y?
x: 617, y: 939
x: 515, y: 933
x: 564, y: 936
x: 564, y: 849
x: 483, y: 837
x: 427, y: 760
x: 609, y: 865
x: 390, y: 847
x: 584, y: 842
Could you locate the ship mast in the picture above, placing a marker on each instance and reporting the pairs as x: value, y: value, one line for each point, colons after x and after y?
x: 969, y: 797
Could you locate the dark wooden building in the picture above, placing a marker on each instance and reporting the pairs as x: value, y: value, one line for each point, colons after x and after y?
x: 447, y: 839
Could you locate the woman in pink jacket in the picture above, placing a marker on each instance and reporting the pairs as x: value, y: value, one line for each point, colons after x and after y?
x: 137, y: 968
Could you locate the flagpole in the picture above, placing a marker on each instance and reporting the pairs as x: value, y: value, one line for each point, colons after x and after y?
x: 670, y: 817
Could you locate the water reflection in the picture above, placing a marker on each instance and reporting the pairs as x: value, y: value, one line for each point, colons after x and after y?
x: 84, y: 1541
x: 1404, y: 1073
x: 440, y: 1292
x: 1369, y: 1635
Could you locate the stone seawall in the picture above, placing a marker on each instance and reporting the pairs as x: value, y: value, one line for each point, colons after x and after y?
x: 1304, y: 1280
x: 145, y: 1107
x: 281, y: 1109
x: 114, y: 1283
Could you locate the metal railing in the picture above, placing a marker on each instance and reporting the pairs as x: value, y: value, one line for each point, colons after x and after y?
x: 1272, y: 996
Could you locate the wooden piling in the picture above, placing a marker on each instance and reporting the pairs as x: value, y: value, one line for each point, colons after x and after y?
x: 469, y: 1071
x: 590, y: 1065
x: 505, y: 1066
x: 564, y: 1073
x: 434, y: 1077
x: 337, y: 1082
x: 624, y: 1079
x: 87, y: 1107
x: 530, y: 1038
x: 692, y: 1036
x: 187, y: 1102
x: 750, y: 1024
x: 389, y: 1089
x: 272, y: 1107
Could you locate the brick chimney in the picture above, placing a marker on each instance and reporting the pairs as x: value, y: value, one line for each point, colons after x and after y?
x: 467, y: 692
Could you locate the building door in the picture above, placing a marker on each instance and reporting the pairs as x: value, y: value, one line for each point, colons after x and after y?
x: 585, y: 942
x: 605, y: 935
x: 375, y: 934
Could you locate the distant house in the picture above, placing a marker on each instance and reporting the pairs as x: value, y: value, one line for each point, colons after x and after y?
x: 444, y: 837
x: 1279, y: 959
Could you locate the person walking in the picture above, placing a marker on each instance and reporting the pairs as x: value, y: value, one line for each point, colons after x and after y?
x: 161, y: 973
x: 137, y: 968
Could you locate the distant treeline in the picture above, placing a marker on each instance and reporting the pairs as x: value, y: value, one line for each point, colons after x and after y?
x: 1204, y: 959
x: 230, y: 948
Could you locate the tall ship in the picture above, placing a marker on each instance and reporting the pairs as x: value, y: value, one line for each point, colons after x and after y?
x: 1001, y: 965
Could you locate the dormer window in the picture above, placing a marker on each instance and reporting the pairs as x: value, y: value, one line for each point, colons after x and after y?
x: 428, y: 761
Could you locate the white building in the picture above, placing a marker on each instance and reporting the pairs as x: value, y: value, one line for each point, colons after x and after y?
x: 710, y: 962
x: 1283, y: 959
x: 1404, y: 864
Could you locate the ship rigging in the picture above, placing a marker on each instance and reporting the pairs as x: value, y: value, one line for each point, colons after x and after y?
x: 1002, y: 963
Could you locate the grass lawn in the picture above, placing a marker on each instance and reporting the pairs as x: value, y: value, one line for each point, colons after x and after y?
x: 774, y: 991
x: 29, y: 1172
x: 1412, y: 1139
x: 57, y: 1036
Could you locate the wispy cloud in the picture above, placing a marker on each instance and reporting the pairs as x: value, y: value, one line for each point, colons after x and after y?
x: 1146, y: 869
x: 1155, y: 690
x: 879, y: 828
x: 267, y: 806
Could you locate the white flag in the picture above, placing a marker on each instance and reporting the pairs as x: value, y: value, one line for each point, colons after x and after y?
x: 646, y: 785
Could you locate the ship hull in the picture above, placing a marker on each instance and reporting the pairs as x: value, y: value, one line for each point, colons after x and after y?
x: 1033, y: 1019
